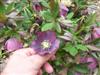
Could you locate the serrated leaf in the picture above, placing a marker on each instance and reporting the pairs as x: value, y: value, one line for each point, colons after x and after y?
x: 46, y: 15
x: 82, y: 68
x: 70, y: 15
x: 90, y: 20
x: 47, y: 26
x: 67, y: 47
x: 9, y: 7
x: 58, y: 28
x: 73, y: 51
x: 44, y: 3
x: 81, y: 47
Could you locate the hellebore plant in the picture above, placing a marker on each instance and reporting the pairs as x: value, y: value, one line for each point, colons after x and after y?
x: 45, y: 43
x: 46, y: 25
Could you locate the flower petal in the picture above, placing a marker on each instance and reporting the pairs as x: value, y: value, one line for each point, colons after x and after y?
x: 13, y: 44
x: 46, y: 35
x: 55, y: 46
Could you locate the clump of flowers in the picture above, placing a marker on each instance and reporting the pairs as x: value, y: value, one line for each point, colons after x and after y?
x: 67, y: 27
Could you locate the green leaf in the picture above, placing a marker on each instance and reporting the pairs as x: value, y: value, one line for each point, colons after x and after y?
x: 98, y: 23
x: 2, y: 7
x: 70, y: 15
x: 0, y: 54
x: 58, y: 28
x: 44, y: 3
x: 73, y: 51
x: 54, y: 7
x: 99, y: 70
x: 29, y: 12
x: 46, y: 15
x: 25, y: 14
x: 90, y: 20
x: 47, y: 26
x: 67, y: 47
x: 80, y: 3
x: 9, y: 7
x: 82, y: 68
x: 69, y: 73
x: 81, y: 47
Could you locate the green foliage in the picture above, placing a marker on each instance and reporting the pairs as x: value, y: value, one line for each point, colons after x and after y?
x: 9, y: 8
x: 80, y: 3
x: 70, y: 73
x: 46, y: 15
x: 58, y: 28
x: 2, y: 7
x: 47, y: 26
x: 71, y: 49
x: 82, y: 68
x: 81, y: 47
x: 70, y: 15
x: 90, y: 20
x: 45, y: 4
x: 49, y: 19
x: 54, y: 7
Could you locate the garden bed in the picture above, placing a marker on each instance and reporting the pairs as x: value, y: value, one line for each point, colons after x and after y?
x: 76, y: 24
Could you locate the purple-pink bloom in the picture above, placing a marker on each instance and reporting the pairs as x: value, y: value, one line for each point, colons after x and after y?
x: 13, y: 44
x: 96, y: 33
x: 92, y: 62
x: 63, y: 10
x: 45, y: 43
x: 37, y: 7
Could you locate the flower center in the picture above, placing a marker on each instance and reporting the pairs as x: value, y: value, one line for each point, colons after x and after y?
x: 45, y: 44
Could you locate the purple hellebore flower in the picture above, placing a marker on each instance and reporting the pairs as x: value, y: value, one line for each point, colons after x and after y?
x: 96, y: 33
x: 63, y: 10
x: 92, y: 62
x: 46, y: 43
x: 37, y: 7
x: 13, y: 44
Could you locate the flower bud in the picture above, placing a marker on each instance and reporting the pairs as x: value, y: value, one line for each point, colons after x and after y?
x: 63, y: 10
x: 92, y: 62
x: 13, y: 44
x: 96, y: 33
x: 37, y: 7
